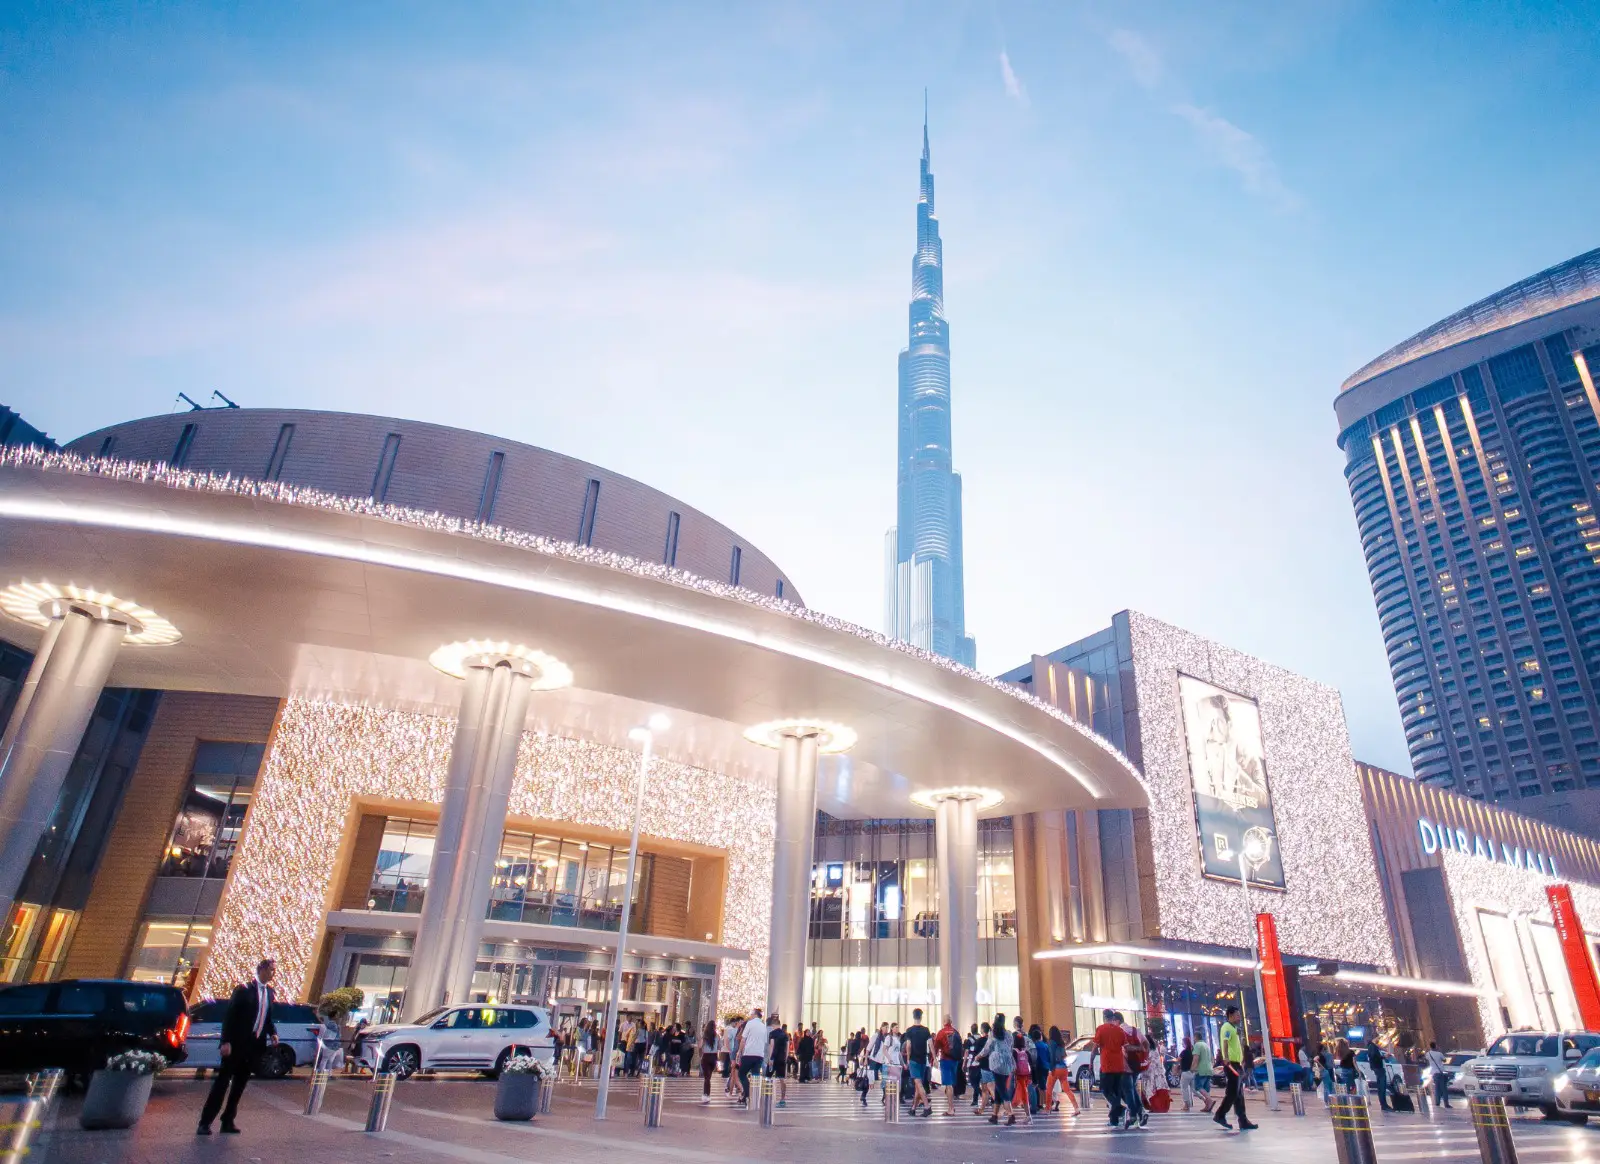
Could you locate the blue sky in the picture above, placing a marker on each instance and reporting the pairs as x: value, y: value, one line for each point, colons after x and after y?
x: 675, y: 239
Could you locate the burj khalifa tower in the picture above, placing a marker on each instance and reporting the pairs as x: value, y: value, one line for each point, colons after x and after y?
x: 924, y: 593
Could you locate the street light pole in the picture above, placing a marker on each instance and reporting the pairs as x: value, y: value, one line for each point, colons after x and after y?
x: 1261, y: 994
x: 608, y: 1036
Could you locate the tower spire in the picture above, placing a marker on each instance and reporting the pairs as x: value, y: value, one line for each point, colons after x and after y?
x: 925, y: 124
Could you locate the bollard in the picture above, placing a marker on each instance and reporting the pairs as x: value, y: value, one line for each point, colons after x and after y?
x: 19, y: 1119
x: 644, y: 1090
x: 44, y: 1084
x: 1495, y: 1145
x: 319, y: 1088
x: 891, y: 1103
x: 656, y: 1098
x: 766, y: 1097
x: 382, y: 1097
x: 1298, y: 1099
x: 547, y: 1095
x: 1085, y: 1093
x: 1352, y: 1130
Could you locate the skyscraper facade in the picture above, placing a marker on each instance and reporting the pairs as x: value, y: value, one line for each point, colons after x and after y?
x: 924, y: 599
x: 1473, y: 460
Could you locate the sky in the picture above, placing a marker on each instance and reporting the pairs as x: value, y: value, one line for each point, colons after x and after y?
x: 676, y: 239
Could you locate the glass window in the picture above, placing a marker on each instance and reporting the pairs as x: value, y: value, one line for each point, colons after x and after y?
x: 212, y: 816
x: 81, y: 998
x: 205, y: 1012
x: 462, y: 1019
x: 169, y: 951
x: 24, y: 999
x: 400, y: 878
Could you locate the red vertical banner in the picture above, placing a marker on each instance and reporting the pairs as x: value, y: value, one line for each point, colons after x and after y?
x: 1575, y: 949
x: 1274, y: 986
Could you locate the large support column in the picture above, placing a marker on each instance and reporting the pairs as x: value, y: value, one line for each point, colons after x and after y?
x: 53, y: 709
x: 795, y: 834
x: 483, y: 761
x: 956, y: 848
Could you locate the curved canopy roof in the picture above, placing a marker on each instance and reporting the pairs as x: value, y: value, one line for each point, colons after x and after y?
x: 1574, y: 281
x: 278, y: 590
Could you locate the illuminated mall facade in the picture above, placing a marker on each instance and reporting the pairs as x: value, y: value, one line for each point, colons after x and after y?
x: 373, y: 697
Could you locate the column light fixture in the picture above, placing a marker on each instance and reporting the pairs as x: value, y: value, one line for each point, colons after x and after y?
x: 41, y: 603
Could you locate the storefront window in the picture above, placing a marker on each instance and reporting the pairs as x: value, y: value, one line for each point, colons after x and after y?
x: 400, y: 878
x: 997, y: 894
x: 207, y: 830
x: 169, y: 951
x: 557, y: 881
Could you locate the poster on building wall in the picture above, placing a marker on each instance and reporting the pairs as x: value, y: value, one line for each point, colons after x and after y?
x: 1228, y: 772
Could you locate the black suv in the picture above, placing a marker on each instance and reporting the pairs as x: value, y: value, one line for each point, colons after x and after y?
x: 79, y: 1023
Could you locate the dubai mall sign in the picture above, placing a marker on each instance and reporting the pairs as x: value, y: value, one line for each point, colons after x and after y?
x: 1443, y: 836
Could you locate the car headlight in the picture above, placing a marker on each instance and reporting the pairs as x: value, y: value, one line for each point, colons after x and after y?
x: 1563, y: 1082
x: 1532, y: 1071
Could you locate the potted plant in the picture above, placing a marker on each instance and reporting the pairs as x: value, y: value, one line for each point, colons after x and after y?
x: 516, y: 1093
x: 119, y: 1091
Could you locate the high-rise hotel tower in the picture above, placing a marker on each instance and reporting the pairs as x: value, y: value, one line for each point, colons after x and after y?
x: 1473, y: 458
x: 924, y: 598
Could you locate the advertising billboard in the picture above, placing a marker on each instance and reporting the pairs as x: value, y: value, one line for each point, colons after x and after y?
x: 1228, y: 773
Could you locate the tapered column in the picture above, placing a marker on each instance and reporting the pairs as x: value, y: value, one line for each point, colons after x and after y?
x: 483, y: 761
x: 794, y: 837
x: 956, y: 850
x: 46, y: 727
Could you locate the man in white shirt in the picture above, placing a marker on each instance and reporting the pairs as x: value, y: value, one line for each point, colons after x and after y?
x: 752, y: 1048
x: 1441, y: 1079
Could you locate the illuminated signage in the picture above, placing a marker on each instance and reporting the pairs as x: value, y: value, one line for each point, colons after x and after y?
x: 1442, y: 836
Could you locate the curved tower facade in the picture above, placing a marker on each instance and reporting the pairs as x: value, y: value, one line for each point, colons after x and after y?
x: 924, y: 597
x: 1473, y: 459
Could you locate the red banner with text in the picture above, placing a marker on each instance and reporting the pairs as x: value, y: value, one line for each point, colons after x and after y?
x: 1575, y: 949
x: 1274, y: 986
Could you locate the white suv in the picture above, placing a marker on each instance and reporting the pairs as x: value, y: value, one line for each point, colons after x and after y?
x: 472, y: 1038
x: 1521, y: 1067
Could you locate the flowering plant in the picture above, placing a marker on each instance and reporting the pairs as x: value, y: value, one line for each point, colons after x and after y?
x: 139, y: 1062
x: 524, y: 1065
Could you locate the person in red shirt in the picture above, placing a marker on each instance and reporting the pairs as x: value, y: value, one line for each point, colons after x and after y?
x: 1109, y: 1040
x: 947, y: 1045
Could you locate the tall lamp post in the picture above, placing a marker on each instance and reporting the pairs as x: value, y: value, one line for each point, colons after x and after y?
x: 1254, y: 852
x: 645, y: 737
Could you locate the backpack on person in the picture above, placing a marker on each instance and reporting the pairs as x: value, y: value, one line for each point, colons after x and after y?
x: 1136, y: 1054
x: 1002, y: 1059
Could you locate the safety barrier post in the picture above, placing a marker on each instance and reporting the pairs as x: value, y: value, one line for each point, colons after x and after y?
x: 1352, y: 1130
x: 1495, y: 1145
x: 382, y: 1097
x: 19, y: 1119
x: 766, y: 1097
x: 1085, y: 1093
x: 319, y: 1088
x: 891, y: 1103
x: 655, y: 1090
x: 1297, y: 1099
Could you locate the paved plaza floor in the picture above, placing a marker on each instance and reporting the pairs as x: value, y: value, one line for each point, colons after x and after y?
x: 437, y: 1120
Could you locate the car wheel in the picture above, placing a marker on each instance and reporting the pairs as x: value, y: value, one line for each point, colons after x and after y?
x: 277, y: 1063
x: 499, y: 1065
x: 402, y: 1062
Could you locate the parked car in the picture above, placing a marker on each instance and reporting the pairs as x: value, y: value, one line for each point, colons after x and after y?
x: 1577, y: 1089
x: 1284, y: 1072
x: 1521, y: 1067
x: 1081, y: 1063
x: 477, y: 1038
x: 298, y: 1027
x: 79, y: 1023
x: 1453, y: 1062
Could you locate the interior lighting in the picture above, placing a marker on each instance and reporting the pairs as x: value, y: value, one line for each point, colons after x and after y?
x: 41, y: 603
x: 548, y: 672
x: 987, y: 798
x: 1396, y: 982
x: 831, y: 738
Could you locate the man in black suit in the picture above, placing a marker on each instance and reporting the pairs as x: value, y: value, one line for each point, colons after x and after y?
x: 247, y: 1030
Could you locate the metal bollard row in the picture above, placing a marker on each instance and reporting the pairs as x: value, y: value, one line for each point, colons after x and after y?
x: 1352, y: 1129
x: 891, y: 1103
x: 655, y: 1091
x: 19, y: 1120
x: 1495, y: 1145
x: 382, y: 1097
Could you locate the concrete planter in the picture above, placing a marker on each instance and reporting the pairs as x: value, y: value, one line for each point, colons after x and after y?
x: 116, y: 1099
x: 516, y: 1096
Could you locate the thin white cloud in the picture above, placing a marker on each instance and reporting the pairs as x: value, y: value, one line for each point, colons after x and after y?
x: 1143, y: 61
x: 1008, y: 75
x: 1240, y: 151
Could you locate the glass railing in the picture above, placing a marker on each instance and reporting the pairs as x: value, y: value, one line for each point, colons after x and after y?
x: 558, y: 909
x: 397, y: 898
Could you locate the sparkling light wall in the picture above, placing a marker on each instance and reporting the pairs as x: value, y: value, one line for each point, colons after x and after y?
x: 324, y: 755
x: 1332, y: 906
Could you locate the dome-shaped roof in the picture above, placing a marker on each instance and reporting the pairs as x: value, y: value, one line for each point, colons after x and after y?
x: 1562, y: 285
